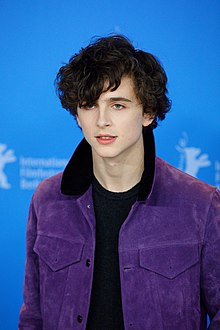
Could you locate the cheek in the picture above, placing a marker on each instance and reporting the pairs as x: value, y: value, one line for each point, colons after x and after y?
x: 137, y: 125
x: 132, y: 132
x: 87, y: 132
x: 85, y: 122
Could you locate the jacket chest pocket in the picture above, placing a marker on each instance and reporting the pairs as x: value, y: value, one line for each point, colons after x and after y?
x: 58, y: 253
x: 173, y: 273
x: 169, y: 261
x: 162, y: 285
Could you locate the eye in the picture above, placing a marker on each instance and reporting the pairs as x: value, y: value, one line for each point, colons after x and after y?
x: 88, y: 106
x: 118, y: 106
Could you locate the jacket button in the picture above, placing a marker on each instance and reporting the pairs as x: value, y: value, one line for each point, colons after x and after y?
x: 88, y: 263
x: 79, y: 318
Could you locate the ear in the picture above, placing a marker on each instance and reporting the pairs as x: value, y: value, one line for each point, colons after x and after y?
x: 147, y: 119
x: 78, y: 121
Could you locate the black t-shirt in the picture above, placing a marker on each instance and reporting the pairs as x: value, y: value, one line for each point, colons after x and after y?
x: 111, y: 210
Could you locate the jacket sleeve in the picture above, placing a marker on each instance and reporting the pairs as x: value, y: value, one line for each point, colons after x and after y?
x: 30, y: 313
x: 210, y: 272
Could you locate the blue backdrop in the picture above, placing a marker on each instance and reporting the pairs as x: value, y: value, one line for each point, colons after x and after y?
x: 37, y: 136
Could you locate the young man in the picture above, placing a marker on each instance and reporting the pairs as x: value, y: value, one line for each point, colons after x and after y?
x: 120, y: 239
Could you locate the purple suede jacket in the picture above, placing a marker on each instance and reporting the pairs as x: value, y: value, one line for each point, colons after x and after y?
x: 169, y: 251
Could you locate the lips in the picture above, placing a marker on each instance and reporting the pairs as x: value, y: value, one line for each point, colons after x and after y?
x: 106, y: 138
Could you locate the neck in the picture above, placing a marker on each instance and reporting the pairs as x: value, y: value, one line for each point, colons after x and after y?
x: 119, y: 174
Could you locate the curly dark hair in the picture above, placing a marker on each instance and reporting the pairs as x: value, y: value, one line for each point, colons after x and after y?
x: 108, y: 59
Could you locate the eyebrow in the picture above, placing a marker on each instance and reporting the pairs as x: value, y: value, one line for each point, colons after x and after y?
x: 119, y: 99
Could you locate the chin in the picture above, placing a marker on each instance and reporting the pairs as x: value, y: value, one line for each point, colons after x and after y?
x: 106, y: 154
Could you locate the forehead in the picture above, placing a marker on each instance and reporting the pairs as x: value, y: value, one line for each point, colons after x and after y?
x: 125, y: 89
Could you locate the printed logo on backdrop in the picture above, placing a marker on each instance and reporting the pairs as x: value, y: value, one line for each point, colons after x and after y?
x: 31, y: 170
x: 192, y: 159
x: 6, y: 156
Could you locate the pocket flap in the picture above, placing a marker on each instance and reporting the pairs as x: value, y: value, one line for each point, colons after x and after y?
x: 169, y: 261
x: 58, y: 253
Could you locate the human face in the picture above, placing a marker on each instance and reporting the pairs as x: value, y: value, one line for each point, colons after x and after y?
x: 113, y: 124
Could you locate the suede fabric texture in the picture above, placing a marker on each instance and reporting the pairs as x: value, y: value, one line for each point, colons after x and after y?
x: 169, y: 250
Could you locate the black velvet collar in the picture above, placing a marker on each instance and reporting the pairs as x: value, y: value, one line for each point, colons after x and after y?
x: 78, y: 174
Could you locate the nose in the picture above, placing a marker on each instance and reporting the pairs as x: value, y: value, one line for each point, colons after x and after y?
x: 103, y: 119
